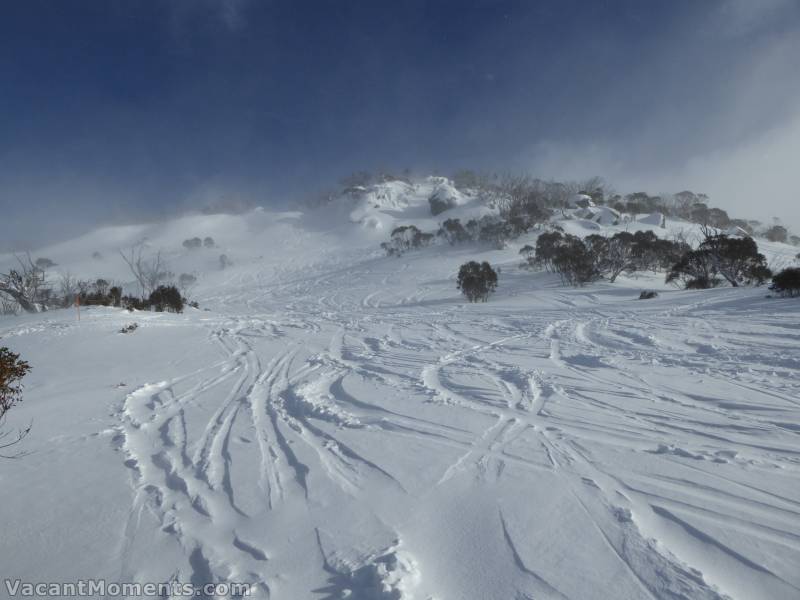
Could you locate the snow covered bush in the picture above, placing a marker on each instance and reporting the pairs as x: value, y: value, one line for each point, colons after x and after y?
x: 787, y: 282
x: 526, y: 212
x: 404, y: 238
x: 618, y: 255
x: 477, y: 281
x: 12, y: 370
x: 453, y: 231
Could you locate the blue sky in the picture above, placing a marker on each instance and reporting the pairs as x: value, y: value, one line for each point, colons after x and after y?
x: 111, y: 108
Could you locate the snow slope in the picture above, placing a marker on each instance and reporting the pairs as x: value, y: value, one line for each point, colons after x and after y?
x: 339, y: 424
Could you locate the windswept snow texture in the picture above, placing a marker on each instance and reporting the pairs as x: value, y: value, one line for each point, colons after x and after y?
x: 341, y: 424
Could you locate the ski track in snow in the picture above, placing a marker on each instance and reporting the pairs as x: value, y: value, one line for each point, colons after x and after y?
x: 566, y: 393
x: 667, y: 435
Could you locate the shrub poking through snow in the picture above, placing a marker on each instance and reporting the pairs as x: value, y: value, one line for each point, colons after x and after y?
x: 453, y: 231
x: 129, y: 328
x: 12, y: 370
x: 97, y: 293
x: 477, y: 281
x: 787, y: 282
x: 166, y: 298
x: 648, y: 295
x: 131, y: 303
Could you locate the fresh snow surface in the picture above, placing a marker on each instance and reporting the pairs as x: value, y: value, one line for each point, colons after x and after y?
x: 340, y: 424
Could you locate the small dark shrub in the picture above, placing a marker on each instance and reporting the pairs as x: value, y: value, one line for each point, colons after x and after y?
x: 477, y: 281
x: 130, y: 328
x: 96, y: 294
x: 648, y: 295
x: 208, y: 242
x: 224, y: 261
x: 787, y: 282
x: 166, y: 297
x: 131, y: 303
x: 115, y: 293
x: 192, y: 243
x: 702, y: 283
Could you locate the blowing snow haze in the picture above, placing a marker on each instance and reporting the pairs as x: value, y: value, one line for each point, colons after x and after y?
x: 119, y: 111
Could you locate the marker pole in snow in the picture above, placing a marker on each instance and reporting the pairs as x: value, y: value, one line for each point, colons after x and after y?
x: 78, y: 305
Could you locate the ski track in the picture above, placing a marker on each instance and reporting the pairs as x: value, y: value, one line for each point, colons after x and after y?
x: 594, y: 400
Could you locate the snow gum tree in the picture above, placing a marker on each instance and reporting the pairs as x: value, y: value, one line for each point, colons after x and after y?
x: 477, y: 281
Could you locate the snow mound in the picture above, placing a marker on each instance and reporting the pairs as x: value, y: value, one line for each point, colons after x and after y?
x: 390, y: 576
x: 583, y: 225
x: 602, y: 215
x: 655, y: 218
x: 580, y: 201
x: 445, y: 192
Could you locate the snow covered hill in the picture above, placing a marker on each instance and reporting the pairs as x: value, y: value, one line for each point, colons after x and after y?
x: 335, y: 423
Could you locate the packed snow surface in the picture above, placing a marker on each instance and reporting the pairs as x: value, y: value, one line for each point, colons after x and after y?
x: 340, y: 424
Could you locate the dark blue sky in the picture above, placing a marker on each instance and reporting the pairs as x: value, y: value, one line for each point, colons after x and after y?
x: 123, y: 106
